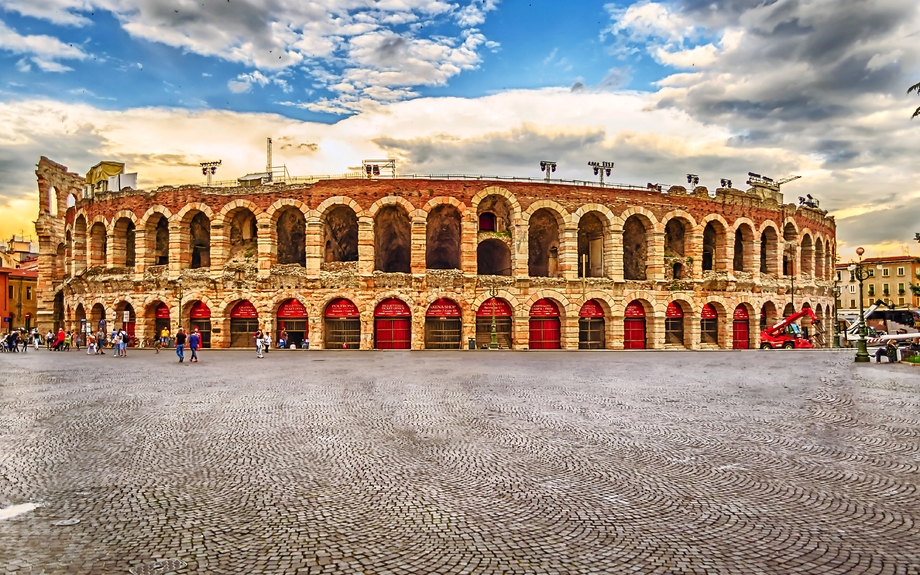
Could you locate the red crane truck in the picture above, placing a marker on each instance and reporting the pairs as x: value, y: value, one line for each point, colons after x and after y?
x: 787, y: 335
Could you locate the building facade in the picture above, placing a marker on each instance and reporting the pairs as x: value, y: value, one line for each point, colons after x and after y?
x: 889, y: 283
x: 427, y: 263
x: 20, y: 298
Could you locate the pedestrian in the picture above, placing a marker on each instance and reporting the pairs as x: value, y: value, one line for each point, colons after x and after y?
x: 77, y: 340
x: 194, y: 342
x: 100, y: 342
x: 267, y: 341
x: 164, y: 337
x: 90, y: 344
x: 116, y: 344
x: 125, y: 338
x: 157, y: 344
x: 180, y: 344
x: 260, y: 342
x: 890, y: 350
x: 35, y: 338
x: 283, y: 338
x: 25, y: 343
x: 49, y: 339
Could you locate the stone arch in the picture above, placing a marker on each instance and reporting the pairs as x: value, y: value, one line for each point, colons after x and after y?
x: 52, y: 201
x: 714, y: 232
x: 594, y: 243
x: 506, y: 295
x: 769, y: 249
x: 155, y: 224
x: 71, y: 201
x: 687, y: 327
x: 807, y: 255
x: 123, y: 231
x: 721, y: 322
x: 187, y: 212
x: 565, y: 305
x: 392, y: 237
x: 384, y: 202
x: 496, y: 214
x: 679, y: 244
x: 80, y: 237
x: 820, y: 259
x: 636, y: 230
x: 239, y: 224
x: 493, y: 257
x: 442, y: 237
x: 289, y: 227
x: 544, y: 235
x: 98, y: 242
x: 743, y: 251
x: 444, y: 200
x: 339, y: 221
x: 273, y: 211
x: 512, y: 202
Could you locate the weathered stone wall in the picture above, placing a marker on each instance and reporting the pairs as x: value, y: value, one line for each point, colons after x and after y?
x: 368, y: 240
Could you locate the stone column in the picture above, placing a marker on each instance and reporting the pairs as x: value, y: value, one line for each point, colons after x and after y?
x: 520, y: 251
x: 615, y: 331
x: 142, y: 255
x: 655, y: 256
x: 365, y: 246
x: 418, y: 244
x: 178, y: 249
x: 115, y: 248
x: 615, y: 262
x: 265, y: 248
x: 469, y: 229
x: 314, y: 249
x: 569, y: 331
x: 568, y: 253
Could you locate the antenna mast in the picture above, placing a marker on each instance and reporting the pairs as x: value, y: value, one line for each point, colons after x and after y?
x: 268, y: 156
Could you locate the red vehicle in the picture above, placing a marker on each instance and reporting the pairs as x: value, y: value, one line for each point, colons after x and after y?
x: 787, y: 335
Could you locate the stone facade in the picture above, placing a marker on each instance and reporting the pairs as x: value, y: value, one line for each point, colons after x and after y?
x: 421, y: 240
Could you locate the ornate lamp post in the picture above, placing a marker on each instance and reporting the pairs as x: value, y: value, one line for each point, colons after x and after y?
x: 837, y: 290
x: 861, y: 272
x: 179, y: 283
x: 493, y: 341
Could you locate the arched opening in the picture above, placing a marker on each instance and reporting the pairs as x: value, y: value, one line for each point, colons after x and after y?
x: 392, y: 325
x: 291, y: 234
x: 161, y: 321
x: 443, y: 325
x: 674, y: 324
x: 493, y: 258
x: 741, y: 328
x: 768, y: 315
x: 98, y: 246
x: 200, y: 318
x: 790, y: 237
x: 497, y: 312
x: 58, y: 269
x: 675, y: 233
x: 124, y: 252
x: 442, y: 243
x: 99, y: 319
x: 157, y: 239
x: 543, y: 244
x: 79, y: 246
x: 392, y: 240
x: 71, y: 201
x: 79, y: 316
x: 57, y: 313
x: 494, y: 214
x: 591, y: 246
x: 292, y: 325
x: 768, y: 251
x: 340, y: 235
x: 243, y: 238
x: 713, y: 245
x: 788, y: 310
x: 807, y: 266
x: 126, y: 319
x: 592, y: 330
x: 819, y: 260
x: 244, y: 322
x: 635, y: 248
x: 828, y: 260
x: 52, y: 201
x: 709, y: 325
x: 634, y: 332
x: 544, y: 325
x: 199, y: 230
x: 743, y: 256
x: 341, y: 325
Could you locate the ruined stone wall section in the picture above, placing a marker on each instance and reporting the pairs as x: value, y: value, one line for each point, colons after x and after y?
x: 251, y: 271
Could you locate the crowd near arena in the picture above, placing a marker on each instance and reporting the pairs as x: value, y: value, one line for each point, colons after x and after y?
x: 429, y: 263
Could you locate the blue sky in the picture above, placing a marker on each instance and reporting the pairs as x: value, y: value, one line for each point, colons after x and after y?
x: 715, y: 87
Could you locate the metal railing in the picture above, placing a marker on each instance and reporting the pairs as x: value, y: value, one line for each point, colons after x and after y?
x: 466, y: 177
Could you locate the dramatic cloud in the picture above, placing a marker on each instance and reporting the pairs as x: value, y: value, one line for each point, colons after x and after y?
x: 364, y: 52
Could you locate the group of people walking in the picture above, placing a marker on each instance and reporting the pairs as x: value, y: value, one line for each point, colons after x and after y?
x: 19, y: 341
x: 192, y: 340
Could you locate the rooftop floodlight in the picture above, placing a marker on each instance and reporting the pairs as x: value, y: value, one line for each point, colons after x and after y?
x: 726, y: 183
x: 547, y: 166
x: 600, y: 168
x: 693, y: 179
x: 209, y: 169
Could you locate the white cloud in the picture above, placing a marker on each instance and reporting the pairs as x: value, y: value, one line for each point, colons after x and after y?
x: 41, y: 50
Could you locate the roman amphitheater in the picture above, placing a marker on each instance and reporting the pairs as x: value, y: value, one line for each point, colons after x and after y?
x: 431, y: 262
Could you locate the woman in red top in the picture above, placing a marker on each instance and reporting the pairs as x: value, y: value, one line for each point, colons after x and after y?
x: 61, y: 336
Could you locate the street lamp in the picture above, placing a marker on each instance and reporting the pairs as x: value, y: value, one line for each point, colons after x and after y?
x: 179, y: 282
x: 493, y: 341
x: 837, y: 291
x: 861, y: 272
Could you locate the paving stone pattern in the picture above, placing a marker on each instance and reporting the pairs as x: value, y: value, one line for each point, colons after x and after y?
x: 460, y: 462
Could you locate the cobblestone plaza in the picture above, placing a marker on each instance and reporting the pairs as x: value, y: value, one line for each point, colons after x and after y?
x: 459, y: 462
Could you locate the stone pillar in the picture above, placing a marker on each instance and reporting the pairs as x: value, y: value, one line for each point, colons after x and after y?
x: 220, y: 247
x: 418, y: 329
x: 314, y: 248
x: 654, y: 330
x: 142, y: 255
x: 568, y: 253
x: 615, y: 262
x: 469, y: 242
x: 418, y: 244
x: 365, y: 246
x: 316, y: 331
x: 265, y: 248
x: 520, y: 251
x: 367, y: 326
x: 520, y: 330
x: 569, y: 331
x: 752, y: 263
x: 115, y: 249
x: 655, y: 256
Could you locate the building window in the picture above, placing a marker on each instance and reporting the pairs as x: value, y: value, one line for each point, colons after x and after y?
x: 28, y: 292
x: 852, y: 304
x: 871, y: 272
x: 900, y: 271
x: 900, y: 289
x: 871, y: 289
x: 11, y: 292
x: 885, y: 289
x: 838, y: 276
x: 900, y: 301
x: 885, y: 273
x: 852, y: 289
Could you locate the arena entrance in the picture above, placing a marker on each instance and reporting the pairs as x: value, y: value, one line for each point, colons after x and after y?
x: 674, y: 324
x: 128, y: 321
x: 341, y: 325
x: 741, y: 328
x: 634, y: 326
x: 544, y: 325
x: 591, y: 326
x: 292, y: 322
x: 443, y: 325
x: 502, y: 314
x: 244, y: 322
x: 161, y: 320
x: 200, y: 317
x: 392, y: 325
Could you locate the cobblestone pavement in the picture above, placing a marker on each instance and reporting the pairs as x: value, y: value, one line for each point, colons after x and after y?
x: 460, y: 462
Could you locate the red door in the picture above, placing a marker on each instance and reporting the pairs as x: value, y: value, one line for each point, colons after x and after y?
x: 634, y: 326
x: 741, y: 329
x: 544, y: 325
x: 392, y: 325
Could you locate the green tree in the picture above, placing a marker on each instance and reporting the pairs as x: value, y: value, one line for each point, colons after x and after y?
x: 915, y: 88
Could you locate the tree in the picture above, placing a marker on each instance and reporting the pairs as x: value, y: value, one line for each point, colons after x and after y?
x: 915, y: 88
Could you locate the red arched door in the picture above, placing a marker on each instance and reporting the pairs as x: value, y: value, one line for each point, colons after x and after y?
x: 709, y: 324
x: 591, y: 326
x: 634, y: 326
x: 741, y: 328
x: 392, y: 325
x: 674, y: 324
x: 341, y: 325
x: 544, y: 325
x: 244, y: 322
x: 292, y: 324
x: 442, y: 325
x: 499, y: 310
x: 200, y: 317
